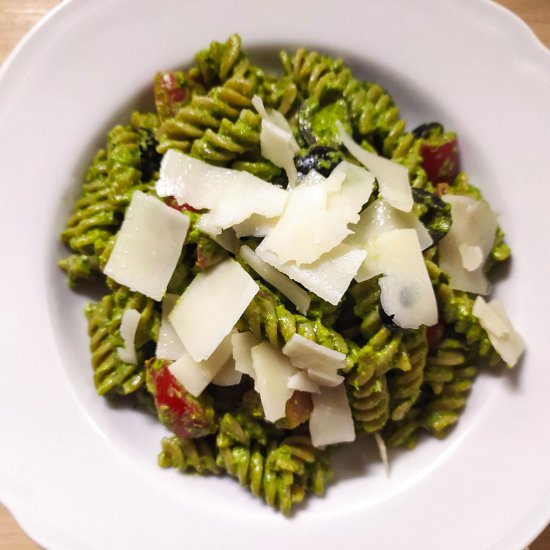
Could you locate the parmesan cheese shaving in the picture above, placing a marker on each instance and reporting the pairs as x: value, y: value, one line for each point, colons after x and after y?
x: 128, y: 328
x: 148, y: 246
x: 306, y: 354
x: 232, y: 196
x: 277, y: 142
x: 169, y: 345
x: 406, y: 290
x: 297, y: 295
x: 471, y: 256
x: 255, y: 226
x: 273, y: 372
x: 301, y: 382
x: 331, y: 421
x: 193, y: 375
x: 228, y: 375
x: 393, y: 178
x: 242, y: 343
x: 346, y: 201
x: 473, y: 227
x: 329, y: 277
x: 306, y: 230
x: 324, y: 378
x: 383, y: 451
x: 228, y: 240
x: 505, y: 339
x: 332, y: 184
x: 210, y: 306
x: 380, y: 217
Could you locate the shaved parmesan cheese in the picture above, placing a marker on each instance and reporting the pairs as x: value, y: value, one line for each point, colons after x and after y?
x: 228, y: 375
x: 393, y: 178
x: 148, y: 246
x: 376, y: 219
x: 383, y: 451
x: 346, y: 202
x: 320, y: 362
x: 280, y: 148
x: 128, y: 327
x: 471, y: 256
x: 210, y: 306
x: 306, y: 230
x: 301, y: 382
x: 332, y: 184
x: 228, y: 240
x: 169, y: 345
x: 505, y: 339
x: 193, y: 375
x: 490, y: 317
x: 242, y: 343
x: 324, y: 378
x: 255, y: 226
x: 406, y: 291
x: 329, y: 277
x: 297, y: 295
x: 306, y: 354
x: 380, y: 217
x: 273, y: 371
x: 331, y: 421
x: 232, y: 196
x: 258, y: 104
x: 474, y: 226
x: 276, y: 140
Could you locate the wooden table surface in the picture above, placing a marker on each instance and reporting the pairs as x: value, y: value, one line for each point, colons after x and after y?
x: 18, y: 16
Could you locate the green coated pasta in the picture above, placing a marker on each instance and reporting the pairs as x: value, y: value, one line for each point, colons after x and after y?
x: 398, y: 380
x: 111, y: 374
x: 198, y: 454
x: 114, y: 175
x: 280, y: 472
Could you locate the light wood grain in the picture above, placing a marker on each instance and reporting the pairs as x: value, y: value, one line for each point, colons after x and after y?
x: 18, y: 16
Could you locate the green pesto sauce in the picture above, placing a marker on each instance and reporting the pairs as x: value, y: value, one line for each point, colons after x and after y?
x: 324, y: 122
x: 317, y: 122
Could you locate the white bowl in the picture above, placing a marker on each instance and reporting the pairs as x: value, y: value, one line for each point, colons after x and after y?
x: 79, y: 473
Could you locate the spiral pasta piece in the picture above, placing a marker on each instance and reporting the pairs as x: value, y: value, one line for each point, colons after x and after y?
x: 231, y: 140
x: 448, y: 378
x: 443, y: 410
x: 198, y: 454
x: 111, y: 374
x: 404, y: 385
x: 366, y: 381
x: 314, y: 74
x: 280, y: 93
x: 280, y: 471
x: 220, y: 119
x: 219, y: 61
x: 106, y: 193
x: 441, y: 363
x: 92, y: 216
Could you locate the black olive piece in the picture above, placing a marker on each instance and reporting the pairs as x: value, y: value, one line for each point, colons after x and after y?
x: 305, y: 117
x: 421, y: 196
x: 428, y: 130
x: 148, y: 155
x: 437, y: 215
x: 320, y: 158
x: 387, y: 319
